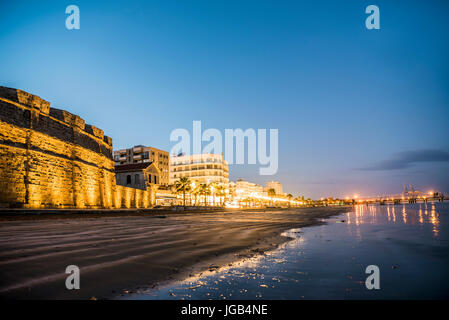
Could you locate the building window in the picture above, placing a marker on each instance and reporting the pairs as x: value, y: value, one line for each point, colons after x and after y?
x: 136, y: 179
x: 128, y: 179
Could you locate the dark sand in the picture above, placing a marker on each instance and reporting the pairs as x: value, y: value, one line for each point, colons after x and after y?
x: 121, y: 253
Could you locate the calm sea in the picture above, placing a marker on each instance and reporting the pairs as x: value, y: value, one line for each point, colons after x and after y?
x: 409, y: 243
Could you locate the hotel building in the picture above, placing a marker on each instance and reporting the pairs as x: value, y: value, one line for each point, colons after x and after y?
x: 142, y: 154
x: 277, y: 186
x: 244, y: 189
x: 201, y: 168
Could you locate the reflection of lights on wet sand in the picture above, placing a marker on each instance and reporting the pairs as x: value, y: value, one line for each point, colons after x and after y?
x: 359, y: 220
x: 393, y: 213
x: 215, y: 275
x: 357, y: 214
x: 421, y: 220
x: 388, y: 212
x: 434, y: 220
x: 404, y: 214
x: 244, y: 268
x: 373, y: 214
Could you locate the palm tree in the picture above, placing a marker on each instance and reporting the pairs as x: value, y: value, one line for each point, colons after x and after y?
x: 203, y: 190
x: 195, y: 191
x: 271, y: 193
x: 300, y: 200
x: 183, y: 185
x: 221, y: 193
x: 289, y: 197
x: 209, y: 190
x: 213, y: 191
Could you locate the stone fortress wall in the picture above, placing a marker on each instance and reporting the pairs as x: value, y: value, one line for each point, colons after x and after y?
x: 50, y: 158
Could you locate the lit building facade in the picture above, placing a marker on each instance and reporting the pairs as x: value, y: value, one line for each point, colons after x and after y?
x: 142, y: 154
x: 244, y: 189
x: 277, y: 186
x: 201, y: 168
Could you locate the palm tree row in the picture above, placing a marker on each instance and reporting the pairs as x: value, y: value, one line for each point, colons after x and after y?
x: 203, y: 191
x: 185, y: 186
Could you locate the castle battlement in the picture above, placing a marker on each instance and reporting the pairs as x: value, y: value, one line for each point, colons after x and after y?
x: 50, y: 157
x: 25, y: 98
x: 36, y: 103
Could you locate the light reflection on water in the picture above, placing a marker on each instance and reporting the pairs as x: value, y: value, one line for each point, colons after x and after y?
x: 408, y: 242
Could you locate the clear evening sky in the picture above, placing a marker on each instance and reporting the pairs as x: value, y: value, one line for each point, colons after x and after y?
x: 358, y: 111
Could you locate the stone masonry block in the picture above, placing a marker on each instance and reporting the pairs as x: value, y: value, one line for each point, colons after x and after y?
x: 108, y: 140
x: 68, y: 118
x: 95, y: 131
x: 25, y: 98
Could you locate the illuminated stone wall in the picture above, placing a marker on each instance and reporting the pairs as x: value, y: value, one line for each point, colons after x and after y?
x: 50, y: 158
x: 134, y: 198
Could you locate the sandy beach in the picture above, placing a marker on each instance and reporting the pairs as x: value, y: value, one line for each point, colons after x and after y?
x: 119, y: 253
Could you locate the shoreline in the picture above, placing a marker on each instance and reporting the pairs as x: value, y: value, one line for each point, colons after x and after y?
x: 120, y: 254
x: 13, y: 214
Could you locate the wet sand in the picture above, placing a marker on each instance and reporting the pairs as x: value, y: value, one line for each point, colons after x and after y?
x: 409, y: 243
x: 118, y: 254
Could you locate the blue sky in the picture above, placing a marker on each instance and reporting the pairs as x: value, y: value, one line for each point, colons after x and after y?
x: 349, y: 103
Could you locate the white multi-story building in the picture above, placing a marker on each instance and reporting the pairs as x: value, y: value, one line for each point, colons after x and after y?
x: 201, y: 168
x: 277, y: 186
x: 245, y: 189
